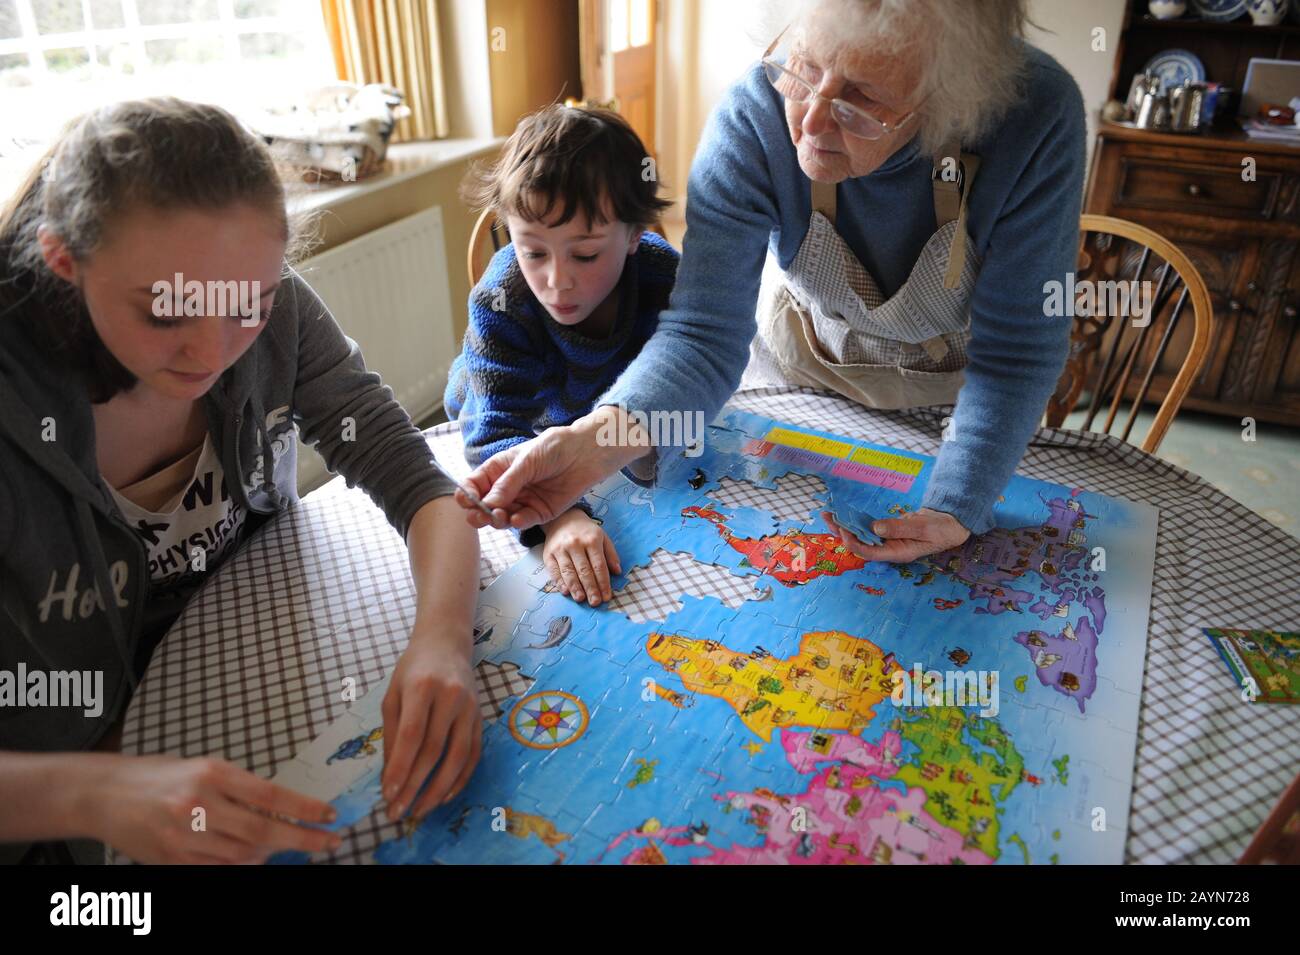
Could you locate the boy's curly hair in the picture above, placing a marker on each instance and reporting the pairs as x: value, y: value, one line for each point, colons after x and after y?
x: 573, y: 158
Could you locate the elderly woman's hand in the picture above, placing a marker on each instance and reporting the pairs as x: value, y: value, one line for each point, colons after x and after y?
x: 538, y: 480
x: 907, y: 538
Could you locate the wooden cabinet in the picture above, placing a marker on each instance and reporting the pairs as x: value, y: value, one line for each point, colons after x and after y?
x: 1277, y: 384
x: 1244, y: 238
x: 1232, y: 205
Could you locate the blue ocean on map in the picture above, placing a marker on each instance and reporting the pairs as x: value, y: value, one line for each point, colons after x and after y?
x: 769, y: 728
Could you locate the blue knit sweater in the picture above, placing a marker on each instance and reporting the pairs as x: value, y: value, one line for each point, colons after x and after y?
x: 747, y: 193
x: 521, y: 372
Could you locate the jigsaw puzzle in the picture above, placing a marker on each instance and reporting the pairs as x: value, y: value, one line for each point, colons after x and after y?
x: 1265, y: 663
x: 977, y: 706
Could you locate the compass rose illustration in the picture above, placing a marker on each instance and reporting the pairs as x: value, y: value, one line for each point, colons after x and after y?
x: 548, y: 720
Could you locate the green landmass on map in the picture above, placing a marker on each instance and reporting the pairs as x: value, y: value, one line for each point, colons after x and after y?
x: 1015, y: 838
x: 1062, y: 767
x: 962, y: 787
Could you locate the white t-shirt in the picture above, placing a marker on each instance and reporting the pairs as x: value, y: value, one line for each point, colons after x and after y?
x: 196, y: 521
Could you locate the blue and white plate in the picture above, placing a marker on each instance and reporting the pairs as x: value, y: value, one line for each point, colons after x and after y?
x: 1176, y: 66
x: 1220, y: 11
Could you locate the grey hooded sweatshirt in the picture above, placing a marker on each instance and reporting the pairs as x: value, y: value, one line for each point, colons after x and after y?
x: 74, y: 584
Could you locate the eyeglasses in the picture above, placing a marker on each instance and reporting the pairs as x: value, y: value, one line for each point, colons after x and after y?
x: 801, y: 86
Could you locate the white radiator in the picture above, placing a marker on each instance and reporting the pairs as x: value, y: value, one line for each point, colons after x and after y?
x: 388, y: 290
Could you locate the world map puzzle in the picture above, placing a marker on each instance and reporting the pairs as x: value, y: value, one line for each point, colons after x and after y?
x: 758, y: 693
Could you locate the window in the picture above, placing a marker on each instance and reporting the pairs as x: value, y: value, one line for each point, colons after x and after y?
x: 61, y: 57
x: 629, y: 24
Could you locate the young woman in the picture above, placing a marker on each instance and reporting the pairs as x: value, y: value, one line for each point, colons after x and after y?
x: 156, y: 353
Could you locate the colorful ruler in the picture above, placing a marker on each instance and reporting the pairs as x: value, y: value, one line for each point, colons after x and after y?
x: 813, y: 452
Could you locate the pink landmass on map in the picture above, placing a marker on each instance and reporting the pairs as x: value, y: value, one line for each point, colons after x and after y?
x: 844, y: 816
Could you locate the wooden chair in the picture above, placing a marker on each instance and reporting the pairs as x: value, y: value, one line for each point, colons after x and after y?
x: 489, y: 236
x: 1116, y: 250
x: 1278, y: 839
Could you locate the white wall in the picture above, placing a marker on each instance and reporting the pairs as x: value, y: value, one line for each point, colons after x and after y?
x: 706, y: 46
x: 1067, y: 34
x: 464, y: 36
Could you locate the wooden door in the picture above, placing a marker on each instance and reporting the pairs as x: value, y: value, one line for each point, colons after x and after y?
x: 632, y: 48
x: 532, y: 57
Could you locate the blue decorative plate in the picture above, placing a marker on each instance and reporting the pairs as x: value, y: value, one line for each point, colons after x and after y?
x: 1220, y: 11
x: 1175, y: 66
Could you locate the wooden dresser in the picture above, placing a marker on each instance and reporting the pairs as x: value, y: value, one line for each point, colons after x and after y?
x: 1243, y: 236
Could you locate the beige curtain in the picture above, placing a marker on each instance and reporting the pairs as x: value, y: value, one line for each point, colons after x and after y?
x: 393, y: 42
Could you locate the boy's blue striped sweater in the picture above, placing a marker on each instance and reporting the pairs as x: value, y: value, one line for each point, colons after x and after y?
x: 521, y: 372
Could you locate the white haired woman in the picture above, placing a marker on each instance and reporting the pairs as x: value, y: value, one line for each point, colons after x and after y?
x: 915, y: 170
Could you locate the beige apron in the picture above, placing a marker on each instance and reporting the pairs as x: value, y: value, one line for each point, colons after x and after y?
x: 823, y: 323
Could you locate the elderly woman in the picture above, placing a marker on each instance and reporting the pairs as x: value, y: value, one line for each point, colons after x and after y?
x: 913, y: 172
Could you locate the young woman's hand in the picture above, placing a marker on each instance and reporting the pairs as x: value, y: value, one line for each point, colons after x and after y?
x: 162, y: 809
x: 906, y: 538
x: 580, y: 557
x: 431, y: 718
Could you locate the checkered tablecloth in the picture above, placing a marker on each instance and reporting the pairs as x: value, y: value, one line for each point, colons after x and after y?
x: 253, y: 670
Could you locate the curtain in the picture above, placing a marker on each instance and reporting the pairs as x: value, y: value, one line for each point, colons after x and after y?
x: 394, y: 42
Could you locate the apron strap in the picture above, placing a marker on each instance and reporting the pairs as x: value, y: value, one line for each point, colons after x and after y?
x: 823, y: 199
x: 951, y: 176
x: 946, y: 178
x: 953, y: 173
x: 951, y: 182
x: 949, y: 194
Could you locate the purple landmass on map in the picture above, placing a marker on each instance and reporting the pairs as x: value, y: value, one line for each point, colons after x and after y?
x: 1096, y: 604
x: 998, y: 598
x: 1042, y: 609
x: 993, y: 565
x: 1067, y: 662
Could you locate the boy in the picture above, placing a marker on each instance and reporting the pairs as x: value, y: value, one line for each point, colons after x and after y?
x: 565, y: 307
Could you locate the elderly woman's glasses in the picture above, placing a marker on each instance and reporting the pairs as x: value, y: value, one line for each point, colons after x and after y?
x: 797, y: 80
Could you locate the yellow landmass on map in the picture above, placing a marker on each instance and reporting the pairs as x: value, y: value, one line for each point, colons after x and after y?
x: 833, y: 682
x: 522, y: 825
